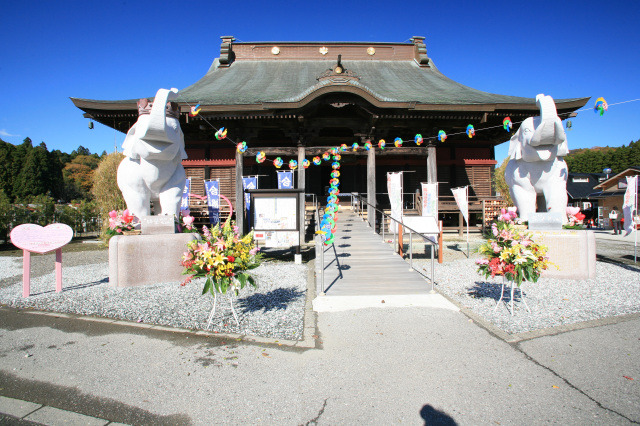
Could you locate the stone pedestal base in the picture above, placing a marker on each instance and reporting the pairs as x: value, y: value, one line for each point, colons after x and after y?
x: 574, y: 252
x: 146, y: 259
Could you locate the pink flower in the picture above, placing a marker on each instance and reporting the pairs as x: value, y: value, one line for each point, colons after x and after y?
x: 188, y: 220
x: 127, y: 217
x: 119, y: 231
x: 219, y: 244
x: 185, y: 212
x: 206, y: 232
x: 253, y: 251
x: 113, y: 214
x: 236, y: 229
x: 482, y: 262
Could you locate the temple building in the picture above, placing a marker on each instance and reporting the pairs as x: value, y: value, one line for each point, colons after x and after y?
x: 296, y: 100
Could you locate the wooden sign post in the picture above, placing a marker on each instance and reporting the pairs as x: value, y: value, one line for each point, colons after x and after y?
x: 34, y: 238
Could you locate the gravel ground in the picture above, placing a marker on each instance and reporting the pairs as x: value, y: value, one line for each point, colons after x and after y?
x: 614, y: 291
x: 275, y: 309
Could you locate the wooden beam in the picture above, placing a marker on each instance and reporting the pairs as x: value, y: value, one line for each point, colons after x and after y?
x: 432, y: 166
x: 301, y: 185
x: 239, y: 192
x: 371, y: 188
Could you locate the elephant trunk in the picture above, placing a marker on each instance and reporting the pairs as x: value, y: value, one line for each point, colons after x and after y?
x: 156, y: 128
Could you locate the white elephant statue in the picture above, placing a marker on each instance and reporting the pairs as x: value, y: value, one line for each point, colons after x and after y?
x: 536, y: 167
x: 154, y: 150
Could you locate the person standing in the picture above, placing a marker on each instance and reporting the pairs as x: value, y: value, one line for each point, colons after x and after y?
x: 615, y: 222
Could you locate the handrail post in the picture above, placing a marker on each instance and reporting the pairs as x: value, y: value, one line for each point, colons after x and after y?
x: 410, y: 250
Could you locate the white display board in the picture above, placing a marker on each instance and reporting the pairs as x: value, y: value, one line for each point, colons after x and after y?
x: 275, y: 213
x: 427, y: 225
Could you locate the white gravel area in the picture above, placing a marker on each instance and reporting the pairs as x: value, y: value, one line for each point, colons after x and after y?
x: 275, y: 309
x: 614, y: 291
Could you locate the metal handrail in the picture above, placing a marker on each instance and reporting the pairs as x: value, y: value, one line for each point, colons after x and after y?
x: 411, y: 231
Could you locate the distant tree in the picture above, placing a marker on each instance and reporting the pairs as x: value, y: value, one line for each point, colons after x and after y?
x: 80, y: 151
x: 35, y: 176
x: 6, y: 177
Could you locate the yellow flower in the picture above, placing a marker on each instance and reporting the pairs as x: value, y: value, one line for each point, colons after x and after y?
x: 218, y: 259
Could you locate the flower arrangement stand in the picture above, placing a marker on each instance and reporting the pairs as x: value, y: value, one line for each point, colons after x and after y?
x: 511, y: 300
x: 213, y: 311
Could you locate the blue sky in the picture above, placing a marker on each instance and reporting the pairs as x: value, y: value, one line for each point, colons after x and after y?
x: 129, y: 49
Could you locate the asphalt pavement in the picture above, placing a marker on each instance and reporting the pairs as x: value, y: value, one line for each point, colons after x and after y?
x: 418, y: 365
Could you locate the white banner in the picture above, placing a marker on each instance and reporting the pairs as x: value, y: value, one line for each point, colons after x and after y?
x: 629, y: 207
x: 430, y: 199
x: 394, y: 188
x: 461, y: 195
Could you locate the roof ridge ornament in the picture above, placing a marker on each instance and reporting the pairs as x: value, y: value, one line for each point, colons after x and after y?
x: 226, y: 53
x: 338, y: 74
x: 421, y: 51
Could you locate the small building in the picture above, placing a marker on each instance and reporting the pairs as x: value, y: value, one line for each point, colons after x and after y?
x: 580, y: 187
x: 610, y: 192
x: 296, y: 100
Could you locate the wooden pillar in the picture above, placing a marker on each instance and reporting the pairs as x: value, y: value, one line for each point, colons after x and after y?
x: 432, y: 167
x: 239, y: 192
x: 371, y: 187
x: 301, y: 185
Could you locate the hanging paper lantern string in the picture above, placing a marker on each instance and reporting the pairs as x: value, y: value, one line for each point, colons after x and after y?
x: 442, y: 136
x: 471, y: 131
x: 317, y: 160
x: 326, y: 156
x: 334, y: 182
x: 343, y: 147
x: 382, y: 144
x: 306, y: 163
x: 337, y: 157
x: 335, y: 165
x: 195, y: 110
x: 418, y: 139
x: 221, y: 134
x: 355, y: 146
x: 397, y: 142
x: 334, y: 151
x: 367, y: 145
x: 241, y: 147
x: 260, y: 157
x: 277, y: 162
x: 335, y: 174
x: 507, y: 124
x: 293, y: 164
x: 601, y: 106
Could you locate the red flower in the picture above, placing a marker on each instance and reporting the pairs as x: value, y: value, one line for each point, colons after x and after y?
x: 231, y: 259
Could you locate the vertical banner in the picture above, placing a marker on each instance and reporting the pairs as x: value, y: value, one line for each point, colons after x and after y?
x: 394, y: 188
x: 212, y: 188
x: 461, y: 195
x: 184, y: 204
x: 629, y: 207
x: 285, y: 179
x: 430, y: 199
x: 250, y: 182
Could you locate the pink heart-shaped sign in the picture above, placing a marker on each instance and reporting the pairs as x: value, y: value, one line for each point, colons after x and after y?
x: 35, y: 238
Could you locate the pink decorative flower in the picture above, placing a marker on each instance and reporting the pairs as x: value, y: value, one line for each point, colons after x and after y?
x: 188, y: 220
x: 113, y: 214
x: 127, y: 217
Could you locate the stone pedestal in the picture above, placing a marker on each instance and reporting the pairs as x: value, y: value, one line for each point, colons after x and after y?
x: 146, y: 259
x: 574, y: 252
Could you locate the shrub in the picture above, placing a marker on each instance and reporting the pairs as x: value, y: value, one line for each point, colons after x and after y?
x: 105, y: 189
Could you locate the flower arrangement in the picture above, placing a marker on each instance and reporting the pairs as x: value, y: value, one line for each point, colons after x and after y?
x: 511, y: 252
x: 120, y: 222
x: 223, y: 257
